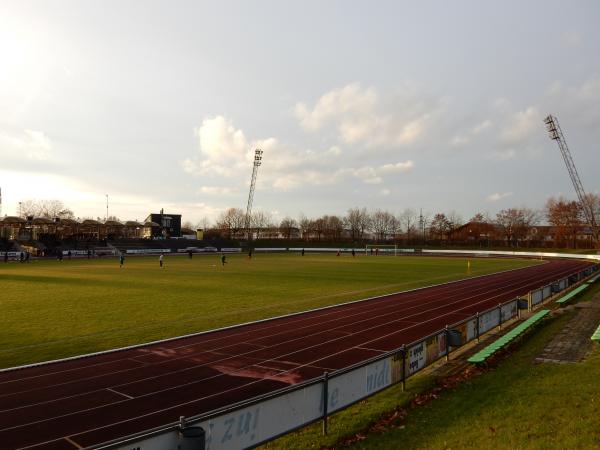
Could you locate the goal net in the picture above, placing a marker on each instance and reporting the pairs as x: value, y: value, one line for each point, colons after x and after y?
x: 380, y: 249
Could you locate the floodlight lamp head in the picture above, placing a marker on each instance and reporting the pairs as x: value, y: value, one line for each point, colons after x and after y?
x: 551, y: 128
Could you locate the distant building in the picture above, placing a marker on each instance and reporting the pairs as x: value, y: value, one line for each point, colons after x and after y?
x: 169, y: 225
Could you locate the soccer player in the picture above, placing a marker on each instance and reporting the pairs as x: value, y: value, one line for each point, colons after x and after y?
x: 353, y: 253
x: 302, y: 252
x: 121, y: 260
x: 160, y: 260
x: 223, y: 260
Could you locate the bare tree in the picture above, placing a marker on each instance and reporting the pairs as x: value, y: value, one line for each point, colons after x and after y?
x: 287, y: 226
x: 566, y: 217
x: 455, y: 220
x: 203, y: 224
x: 231, y: 221
x: 593, y: 201
x: 358, y: 221
x: 304, y: 223
x: 319, y: 226
x: 261, y: 220
x: 382, y: 223
x: 515, y: 223
x: 408, y: 221
x: 334, y: 227
x: 439, y: 226
x: 49, y: 209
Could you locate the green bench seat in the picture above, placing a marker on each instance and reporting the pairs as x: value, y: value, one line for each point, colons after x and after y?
x: 572, y: 294
x: 503, y: 341
x: 596, y: 335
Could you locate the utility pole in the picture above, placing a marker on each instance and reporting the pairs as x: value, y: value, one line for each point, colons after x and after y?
x: 257, y: 162
x: 422, y: 226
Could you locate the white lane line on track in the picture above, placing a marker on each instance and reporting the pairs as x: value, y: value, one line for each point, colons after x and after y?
x: 72, y: 442
x: 248, y: 384
x: 360, y: 347
x: 234, y: 356
x: 120, y: 393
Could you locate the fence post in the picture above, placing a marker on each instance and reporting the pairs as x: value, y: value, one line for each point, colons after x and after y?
x: 447, y: 344
x: 477, y: 326
x: 325, y: 401
x: 403, y: 367
x: 499, y: 316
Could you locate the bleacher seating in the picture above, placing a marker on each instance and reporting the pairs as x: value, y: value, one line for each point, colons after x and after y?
x: 509, y: 337
x: 566, y: 298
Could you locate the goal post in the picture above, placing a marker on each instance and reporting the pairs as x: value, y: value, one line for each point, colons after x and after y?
x: 381, y: 249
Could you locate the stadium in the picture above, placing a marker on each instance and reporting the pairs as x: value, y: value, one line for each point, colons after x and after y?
x: 228, y: 226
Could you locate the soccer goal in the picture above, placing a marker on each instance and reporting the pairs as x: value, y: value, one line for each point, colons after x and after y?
x: 380, y: 249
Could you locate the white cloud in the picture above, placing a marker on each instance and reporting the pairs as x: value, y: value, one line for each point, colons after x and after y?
x: 31, y: 144
x: 500, y: 103
x: 360, y: 116
x: 521, y: 126
x: 481, y: 127
x: 460, y: 140
x: 223, y: 148
x: 349, y: 100
x: 217, y: 190
x: 497, y: 196
x: 570, y: 39
x: 505, y: 155
x: 399, y: 167
x: 579, y: 102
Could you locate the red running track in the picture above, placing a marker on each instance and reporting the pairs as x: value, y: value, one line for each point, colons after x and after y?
x: 87, y: 401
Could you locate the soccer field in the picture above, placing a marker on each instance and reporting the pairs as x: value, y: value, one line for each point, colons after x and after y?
x: 51, y: 310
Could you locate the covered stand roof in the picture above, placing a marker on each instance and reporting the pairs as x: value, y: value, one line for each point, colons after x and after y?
x: 13, y: 220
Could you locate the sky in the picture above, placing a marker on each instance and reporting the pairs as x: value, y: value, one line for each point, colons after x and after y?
x: 387, y: 105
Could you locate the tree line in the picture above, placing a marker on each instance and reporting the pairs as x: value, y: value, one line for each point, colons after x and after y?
x: 514, y: 225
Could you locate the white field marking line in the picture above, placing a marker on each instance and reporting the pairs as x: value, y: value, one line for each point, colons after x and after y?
x: 162, y: 341
x: 268, y: 360
x: 419, y: 303
x: 382, y: 298
x: 238, y: 355
x: 120, y: 393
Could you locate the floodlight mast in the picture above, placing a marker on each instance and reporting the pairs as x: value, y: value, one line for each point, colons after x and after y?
x: 555, y: 133
x: 257, y: 162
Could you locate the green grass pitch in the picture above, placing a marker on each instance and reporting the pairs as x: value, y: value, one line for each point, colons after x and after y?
x: 50, y: 309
